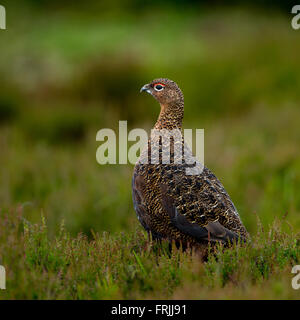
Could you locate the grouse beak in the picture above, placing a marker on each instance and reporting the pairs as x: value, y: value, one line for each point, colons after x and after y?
x: 146, y: 88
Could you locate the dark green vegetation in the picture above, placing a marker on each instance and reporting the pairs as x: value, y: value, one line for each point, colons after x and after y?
x: 65, y: 75
x: 126, y: 265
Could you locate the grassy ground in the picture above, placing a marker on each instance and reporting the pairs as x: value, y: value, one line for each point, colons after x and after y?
x: 67, y: 76
x: 128, y: 266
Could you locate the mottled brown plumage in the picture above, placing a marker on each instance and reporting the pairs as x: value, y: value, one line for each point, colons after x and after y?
x: 171, y: 204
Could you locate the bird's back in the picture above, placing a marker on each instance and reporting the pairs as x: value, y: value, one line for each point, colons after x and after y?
x: 166, y: 197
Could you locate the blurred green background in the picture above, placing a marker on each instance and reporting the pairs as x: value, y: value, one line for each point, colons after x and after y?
x: 69, y: 69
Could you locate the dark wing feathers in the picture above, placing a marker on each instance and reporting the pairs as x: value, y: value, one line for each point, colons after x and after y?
x: 213, y: 231
x: 168, y: 202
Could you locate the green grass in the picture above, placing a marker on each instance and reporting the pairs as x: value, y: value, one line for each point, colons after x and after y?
x: 67, y: 76
x: 128, y: 266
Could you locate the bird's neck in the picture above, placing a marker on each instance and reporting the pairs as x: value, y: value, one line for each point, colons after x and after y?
x: 170, y: 117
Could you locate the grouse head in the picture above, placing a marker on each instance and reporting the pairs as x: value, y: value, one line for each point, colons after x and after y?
x: 165, y: 91
x: 170, y: 97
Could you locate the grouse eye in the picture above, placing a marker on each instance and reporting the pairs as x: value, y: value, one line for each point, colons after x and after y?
x: 158, y: 87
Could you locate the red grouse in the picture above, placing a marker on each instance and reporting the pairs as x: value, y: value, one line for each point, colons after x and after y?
x: 190, y: 209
